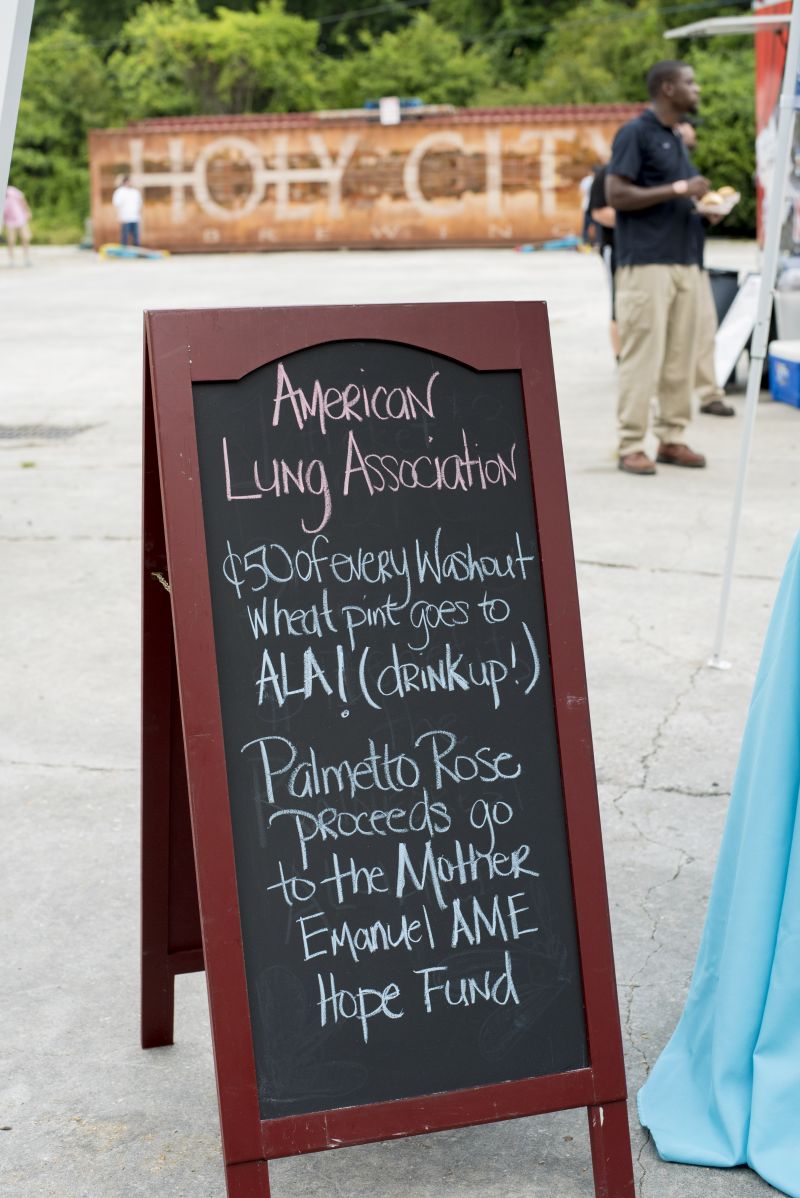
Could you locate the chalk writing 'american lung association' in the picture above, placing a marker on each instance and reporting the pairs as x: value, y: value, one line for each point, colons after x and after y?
x: 362, y: 474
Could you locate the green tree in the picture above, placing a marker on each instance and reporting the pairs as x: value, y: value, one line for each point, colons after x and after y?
x: 267, y: 60
x: 341, y: 25
x: 600, y: 55
x: 683, y: 12
x: 65, y: 92
x: 726, y: 130
x: 422, y: 60
x: 100, y: 22
x: 175, y: 60
x: 512, y: 32
x: 516, y: 21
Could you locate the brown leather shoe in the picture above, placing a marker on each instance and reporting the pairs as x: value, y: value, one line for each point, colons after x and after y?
x: 679, y: 455
x: 636, y: 463
x: 717, y: 407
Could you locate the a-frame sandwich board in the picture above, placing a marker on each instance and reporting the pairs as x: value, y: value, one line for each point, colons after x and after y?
x: 197, y: 882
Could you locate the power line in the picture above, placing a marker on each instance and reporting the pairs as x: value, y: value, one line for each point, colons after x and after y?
x: 609, y: 19
x: 368, y: 12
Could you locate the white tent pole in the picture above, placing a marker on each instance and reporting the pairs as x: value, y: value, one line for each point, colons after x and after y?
x: 758, y: 350
x: 15, y: 31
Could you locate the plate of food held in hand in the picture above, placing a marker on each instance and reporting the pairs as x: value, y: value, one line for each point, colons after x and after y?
x: 719, y: 202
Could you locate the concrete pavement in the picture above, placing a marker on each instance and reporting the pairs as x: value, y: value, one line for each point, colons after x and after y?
x: 84, y: 1112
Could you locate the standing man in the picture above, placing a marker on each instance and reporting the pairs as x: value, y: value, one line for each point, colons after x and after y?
x: 652, y: 185
x: 709, y: 393
x: 127, y: 201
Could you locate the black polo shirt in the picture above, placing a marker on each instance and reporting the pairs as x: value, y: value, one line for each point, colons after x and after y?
x: 651, y: 154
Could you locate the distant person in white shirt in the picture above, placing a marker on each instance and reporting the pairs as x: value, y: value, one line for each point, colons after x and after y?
x: 127, y: 201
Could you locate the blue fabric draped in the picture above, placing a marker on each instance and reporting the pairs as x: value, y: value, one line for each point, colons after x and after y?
x: 726, y: 1089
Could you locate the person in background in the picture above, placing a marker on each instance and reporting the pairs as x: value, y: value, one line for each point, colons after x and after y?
x: 587, y: 232
x: 652, y: 185
x: 127, y: 201
x: 710, y: 395
x: 16, y: 217
x: 604, y: 219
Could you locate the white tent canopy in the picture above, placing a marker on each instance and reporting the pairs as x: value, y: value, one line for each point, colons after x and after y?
x: 15, y: 30
x: 713, y: 25
x: 769, y: 265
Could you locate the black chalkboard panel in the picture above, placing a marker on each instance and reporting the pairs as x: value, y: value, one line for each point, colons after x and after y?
x: 390, y: 742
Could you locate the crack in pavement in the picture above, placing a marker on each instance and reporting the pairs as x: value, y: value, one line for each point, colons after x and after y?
x: 641, y: 1166
x: 653, y: 646
x: 74, y: 539
x: 631, y: 1040
x: 647, y: 758
x: 656, y: 919
x: 689, y: 794
x: 667, y: 790
x: 69, y: 765
x: 652, y: 917
x: 640, y: 569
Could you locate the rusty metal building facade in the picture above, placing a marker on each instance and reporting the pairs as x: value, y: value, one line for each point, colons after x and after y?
x: 300, y: 180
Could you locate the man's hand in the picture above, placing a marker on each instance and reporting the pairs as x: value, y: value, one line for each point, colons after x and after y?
x: 607, y: 217
x: 624, y: 195
x: 697, y: 187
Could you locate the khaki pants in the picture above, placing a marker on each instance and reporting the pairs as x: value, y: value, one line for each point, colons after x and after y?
x: 656, y: 311
x: 705, y: 379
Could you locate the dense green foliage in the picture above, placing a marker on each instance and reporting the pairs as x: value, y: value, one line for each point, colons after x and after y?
x: 66, y: 92
x: 92, y: 64
x: 725, y: 150
x: 174, y: 60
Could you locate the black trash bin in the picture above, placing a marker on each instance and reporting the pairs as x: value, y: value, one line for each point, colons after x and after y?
x: 724, y: 285
x: 724, y: 288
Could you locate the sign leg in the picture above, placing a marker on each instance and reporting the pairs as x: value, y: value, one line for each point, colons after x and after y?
x: 157, y: 756
x: 171, y: 938
x: 250, y: 1180
x: 611, y: 1150
x: 158, y: 979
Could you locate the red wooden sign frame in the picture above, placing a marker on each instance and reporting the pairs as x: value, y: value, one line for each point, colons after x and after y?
x: 190, y: 914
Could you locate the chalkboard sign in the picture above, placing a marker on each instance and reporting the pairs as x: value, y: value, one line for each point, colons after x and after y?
x: 384, y: 713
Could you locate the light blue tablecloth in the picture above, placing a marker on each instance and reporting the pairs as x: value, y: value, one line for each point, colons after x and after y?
x: 726, y: 1089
